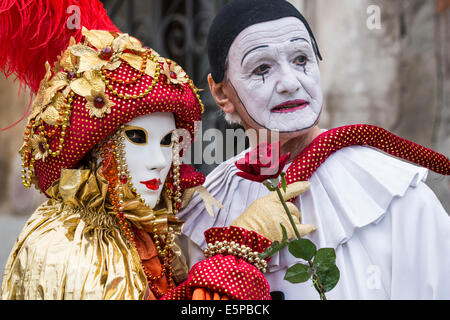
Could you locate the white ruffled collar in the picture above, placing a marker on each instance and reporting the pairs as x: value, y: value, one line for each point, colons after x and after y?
x: 353, y: 188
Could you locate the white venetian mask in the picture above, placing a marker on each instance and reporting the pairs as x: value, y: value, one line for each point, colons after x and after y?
x: 148, y: 153
x: 274, y: 70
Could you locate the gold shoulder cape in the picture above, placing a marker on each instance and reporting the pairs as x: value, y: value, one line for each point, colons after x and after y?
x: 71, y: 248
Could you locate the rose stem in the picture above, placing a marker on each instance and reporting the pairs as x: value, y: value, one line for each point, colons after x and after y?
x: 288, y: 212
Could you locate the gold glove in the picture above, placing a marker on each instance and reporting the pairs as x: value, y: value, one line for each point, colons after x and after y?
x: 265, y: 215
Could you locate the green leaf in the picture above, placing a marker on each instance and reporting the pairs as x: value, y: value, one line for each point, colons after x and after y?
x: 303, y: 249
x: 283, y: 181
x: 325, y: 259
x: 298, y: 273
x: 329, y: 278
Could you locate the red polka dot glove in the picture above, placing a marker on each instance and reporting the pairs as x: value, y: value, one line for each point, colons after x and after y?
x: 231, y: 269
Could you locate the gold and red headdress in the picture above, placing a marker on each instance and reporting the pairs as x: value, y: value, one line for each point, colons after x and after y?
x: 101, y: 80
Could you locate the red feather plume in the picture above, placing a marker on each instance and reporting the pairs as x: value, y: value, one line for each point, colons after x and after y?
x: 35, y: 31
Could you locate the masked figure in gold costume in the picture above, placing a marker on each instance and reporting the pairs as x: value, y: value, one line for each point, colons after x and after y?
x: 103, y: 142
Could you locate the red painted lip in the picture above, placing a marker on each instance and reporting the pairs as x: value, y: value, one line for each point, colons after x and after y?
x: 290, y: 106
x: 152, y: 184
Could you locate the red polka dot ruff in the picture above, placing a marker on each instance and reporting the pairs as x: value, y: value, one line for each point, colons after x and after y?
x: 333, y: 140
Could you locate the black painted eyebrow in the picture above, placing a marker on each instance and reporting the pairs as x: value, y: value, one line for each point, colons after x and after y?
x: 251, y: 50
x: 298, y: 39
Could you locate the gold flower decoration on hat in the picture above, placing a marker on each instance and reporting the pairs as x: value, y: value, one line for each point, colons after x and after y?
x: 90, y: 80
x: 39, y: 150
x: 174, y: 73
x: 47, y: 90
x: 79, y: 68
x: 98, y: 104
x: 109, y: 50
x: 67, y: 60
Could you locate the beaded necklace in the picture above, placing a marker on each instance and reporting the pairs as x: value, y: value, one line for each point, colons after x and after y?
x: 112, y: 153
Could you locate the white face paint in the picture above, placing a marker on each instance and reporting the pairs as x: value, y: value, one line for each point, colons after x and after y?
x: 148, y: 153
x: 274, y: 70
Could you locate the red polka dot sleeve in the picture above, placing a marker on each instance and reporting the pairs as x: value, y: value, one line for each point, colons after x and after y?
x: 225, y: 273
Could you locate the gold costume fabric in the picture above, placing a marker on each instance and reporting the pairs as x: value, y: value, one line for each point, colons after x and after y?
x: 72, y: 246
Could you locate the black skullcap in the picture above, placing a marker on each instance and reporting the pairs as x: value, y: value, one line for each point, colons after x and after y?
x: 236, y: 16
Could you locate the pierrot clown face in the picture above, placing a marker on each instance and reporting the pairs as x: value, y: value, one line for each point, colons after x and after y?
x: 148, y: 153
x: 273, y: 68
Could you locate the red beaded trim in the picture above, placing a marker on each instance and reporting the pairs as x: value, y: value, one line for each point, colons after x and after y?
x: 47, y: 134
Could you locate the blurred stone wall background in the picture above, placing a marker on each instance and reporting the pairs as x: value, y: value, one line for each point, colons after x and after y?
x: 395, y: 75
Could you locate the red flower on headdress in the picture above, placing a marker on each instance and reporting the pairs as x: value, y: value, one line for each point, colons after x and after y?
x: 261, y: 163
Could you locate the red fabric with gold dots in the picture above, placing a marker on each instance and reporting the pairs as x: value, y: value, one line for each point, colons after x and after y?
x: 189, y: 178
x: 227, y: 274
x: 241, y: 236
x: 85, y: 131
x: 333, y: 140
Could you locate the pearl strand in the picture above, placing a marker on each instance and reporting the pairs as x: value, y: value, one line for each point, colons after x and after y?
x: 241, y: 251
x: 176, y: 198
